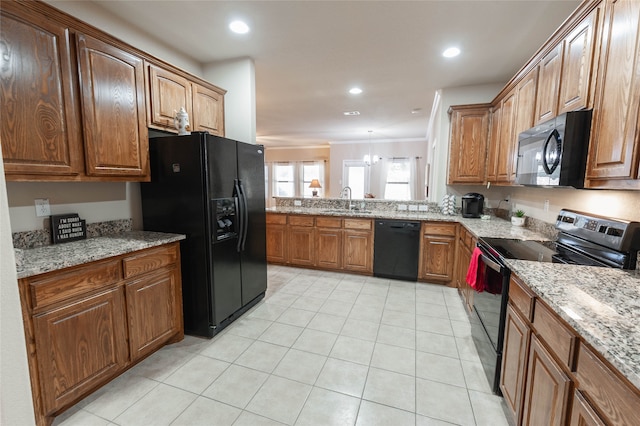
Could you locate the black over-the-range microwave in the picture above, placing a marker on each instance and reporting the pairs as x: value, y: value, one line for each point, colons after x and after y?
x: 554, y: 153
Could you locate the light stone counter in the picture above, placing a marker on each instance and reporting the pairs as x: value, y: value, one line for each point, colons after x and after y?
x: 601, y: 304
x: 53, y: 257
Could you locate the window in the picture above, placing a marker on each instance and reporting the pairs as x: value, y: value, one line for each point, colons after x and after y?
x: 284, y: 180
x: 310, y: 171
x: 292, y: 179
x: 355, y: 175
x: 398, y: 182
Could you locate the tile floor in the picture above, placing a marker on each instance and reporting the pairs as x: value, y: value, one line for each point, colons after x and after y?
x: 322, y: 348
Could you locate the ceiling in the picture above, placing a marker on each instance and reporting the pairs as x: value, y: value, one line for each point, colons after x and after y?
x: 309, y: 53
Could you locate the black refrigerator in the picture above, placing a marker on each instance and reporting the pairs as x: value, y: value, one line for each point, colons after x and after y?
x: 212, y: 190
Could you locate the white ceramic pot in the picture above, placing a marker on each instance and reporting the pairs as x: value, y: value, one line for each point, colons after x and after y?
x: 517, y: 221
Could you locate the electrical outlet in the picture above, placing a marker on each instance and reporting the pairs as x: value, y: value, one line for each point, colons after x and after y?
x: 413, y: 208
x: 42, y: 207
x: 402, y: 206
x: 297, y: 203
x: 507, y: 198
x: 423, y: 208
x: 546, y: 205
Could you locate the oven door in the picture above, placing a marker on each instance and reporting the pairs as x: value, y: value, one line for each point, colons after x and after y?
x: 488, y: 317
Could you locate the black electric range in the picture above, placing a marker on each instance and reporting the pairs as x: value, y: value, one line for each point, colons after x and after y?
x: 583, y: 239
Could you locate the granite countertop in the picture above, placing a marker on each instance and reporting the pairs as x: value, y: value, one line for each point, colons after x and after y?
x: 601, y: 304
x: 53, y: 257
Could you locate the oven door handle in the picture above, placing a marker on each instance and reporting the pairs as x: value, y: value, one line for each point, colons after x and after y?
x: 490, y: 263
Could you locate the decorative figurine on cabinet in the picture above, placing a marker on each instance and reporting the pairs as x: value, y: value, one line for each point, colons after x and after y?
x: 181, y: 122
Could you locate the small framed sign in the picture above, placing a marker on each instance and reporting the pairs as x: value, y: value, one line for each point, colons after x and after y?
x: 67, y: 227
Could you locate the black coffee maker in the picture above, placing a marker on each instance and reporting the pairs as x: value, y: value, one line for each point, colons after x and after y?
x: 472, y: 204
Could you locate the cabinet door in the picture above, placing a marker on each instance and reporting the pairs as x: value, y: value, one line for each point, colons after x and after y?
x: 437, y: 258
x: 329, y: 248
x: 547, y: 389
x: 168, y: 92
x: 582, y: 414
x: 301, y: 245
x: 506, y: 144
x: 80, y: 346
x: 577, y: 65
x: 113, y: 106
x: 494, y: 145
x: 524, y: 114
x: 276, y: 243
x: 153, y: 311
x: 208, y: 111
x: 615, y: 133
x: 358, y: 251
x: 514, y: 361
x: 469, y: 134
x: 38, y: 122
x: 548, y: 84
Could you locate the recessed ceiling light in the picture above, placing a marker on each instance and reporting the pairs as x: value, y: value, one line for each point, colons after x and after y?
x: 351, y: 113
x: 416, y: 111
x: 239, y: 27
x: 355, y: 90
x: 451, y: 52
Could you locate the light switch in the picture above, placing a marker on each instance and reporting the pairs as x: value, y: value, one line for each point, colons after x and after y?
x: 423, y: 208
x: 413, y: 208
x: 402, y: 206
x: 42, y: 207
x: 297, y: 203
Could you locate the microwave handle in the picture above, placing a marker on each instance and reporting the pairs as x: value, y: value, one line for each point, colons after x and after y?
x: 545, y: 165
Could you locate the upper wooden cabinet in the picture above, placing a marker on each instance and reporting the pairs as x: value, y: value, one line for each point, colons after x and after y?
x: 494, y: 141
x: 169, y: 91
x: 113, y: 108
x: 39, y: 125
x: 548, y: 85
x: 505, y: 142
x: 524, y: 114
x: 469, y: 134
x: 615, y: 132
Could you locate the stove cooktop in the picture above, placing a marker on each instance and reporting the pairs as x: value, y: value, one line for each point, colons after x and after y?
x: 540, y: 251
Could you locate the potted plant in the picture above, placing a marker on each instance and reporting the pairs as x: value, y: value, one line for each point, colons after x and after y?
x: 517, y: 219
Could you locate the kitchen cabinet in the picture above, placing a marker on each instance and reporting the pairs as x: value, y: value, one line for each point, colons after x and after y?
x: 113, y: 108
x: 301, y: 238
x: 517, y: 335
x: 548, y: 85
x: 614, y: 150
x: 169, y: 91
x: 507, y: 136
x: 547, y: 390
x: 358, y: 245
x: 524, y: 114
x: 276, y: 235
x: 437, y: 252
x: 466, y: 244
x: 493, y: 150
x: 582, y: 414
x: 86, y: 324
x: 468, y: 148
x: 329, y: 237
x: 40, y: 129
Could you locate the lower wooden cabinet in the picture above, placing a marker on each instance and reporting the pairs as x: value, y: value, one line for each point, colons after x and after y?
x: 301, y: 241
x: 329, y: 248
x: 276, y: 235
x: 437, y: 251
x: 466, y: 243
x: 515, y: 354
x: 358, y: 251
x: 79, y: 346
x: 86, y: 324
x: 582, y: 414
x: 547, y: 389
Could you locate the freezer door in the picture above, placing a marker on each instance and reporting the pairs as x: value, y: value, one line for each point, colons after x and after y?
x: 253, y: 256
x: 222, y: 165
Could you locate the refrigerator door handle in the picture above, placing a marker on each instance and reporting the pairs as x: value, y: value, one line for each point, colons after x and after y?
x: 239, y: 213
x: 245, y: 216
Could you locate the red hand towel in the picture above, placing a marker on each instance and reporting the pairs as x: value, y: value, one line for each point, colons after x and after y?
x: 475, y: 277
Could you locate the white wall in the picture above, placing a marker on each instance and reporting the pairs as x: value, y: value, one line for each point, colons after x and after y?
x: 238, y: 77
x: 16, y: 404
x: 441, y: 126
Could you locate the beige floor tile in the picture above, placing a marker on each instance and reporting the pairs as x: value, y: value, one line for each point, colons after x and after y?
x: 280, y: 399
x: 372, y: 414
x: 300, y: 366
x: 327, y: 323
x: 353, y: 350
x: 296, y: 317
x: 281, y: 334
x: 159, y: 407
x: 377, y: 289
x: 161, y: 364
x: 488, y: 409
x: 343, y: 376
x: 324, y: 407
x: 432, y: 297
x: 344, y: 295
x: 236, y: 386
x: 399, y: 319
x: 467, y: 349
x: 248, y: 327
x: 205, y: 411
x: 282, y: 299
x: 439, y: 344
x: 392, y: 389
x: 394, y: 358
x: 262, y: 356
x: 366, y: 313
x: 428, y: 421
x: 439, y: 368
x: 360, y: 329
x: 197, y: 374
x: 475, y: 377
x: 250, y: 419
x: 318, y: 342
x: 309, y: 303
x: 444, y: 402
x: 80, y: 417
x: 267, y: 311
x: 434, y: 325
x: 397, y: 336
x: 371, y: 300
x: 432, y: 310
x: 227, y: 347
x: 336, y: 307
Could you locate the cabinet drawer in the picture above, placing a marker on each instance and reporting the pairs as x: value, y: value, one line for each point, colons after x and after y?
x: 278, y: 219
x: 301, y: 220
x: 357, y: 224
x: 59, y: 286
x: 616, y: 401
x: 328, y: 222
x: 431, y: 228
x: 521, y: 297
x: 150, y: 260
x: 558, y: 337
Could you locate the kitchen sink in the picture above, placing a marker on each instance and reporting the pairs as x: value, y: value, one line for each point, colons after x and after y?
x: 345, y: 211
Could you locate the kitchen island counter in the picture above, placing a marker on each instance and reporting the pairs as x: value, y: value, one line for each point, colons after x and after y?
x: 49, y: 258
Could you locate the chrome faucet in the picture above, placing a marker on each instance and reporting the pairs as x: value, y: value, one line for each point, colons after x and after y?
x: 342, y: 195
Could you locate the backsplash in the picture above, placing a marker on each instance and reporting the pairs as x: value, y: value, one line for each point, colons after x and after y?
x: 42, y: 237
x: 360, y: 204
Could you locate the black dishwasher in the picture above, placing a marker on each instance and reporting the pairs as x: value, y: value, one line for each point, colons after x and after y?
x: 396, y: 249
